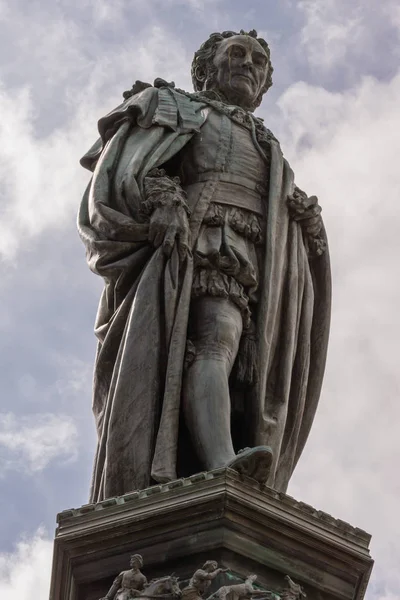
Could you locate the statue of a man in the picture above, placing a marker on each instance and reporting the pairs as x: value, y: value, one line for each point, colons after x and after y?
x: 201, y: 580
x: 128, y: 584
x: 214, y: 319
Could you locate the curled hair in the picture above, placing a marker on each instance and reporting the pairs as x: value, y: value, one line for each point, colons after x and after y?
x: 203, y: 60
x: 210, y: 563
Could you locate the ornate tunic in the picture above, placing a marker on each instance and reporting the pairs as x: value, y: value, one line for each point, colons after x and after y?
x: 228, y: 249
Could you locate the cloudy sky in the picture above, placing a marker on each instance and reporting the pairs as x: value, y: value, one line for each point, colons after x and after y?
x: 335, y: 108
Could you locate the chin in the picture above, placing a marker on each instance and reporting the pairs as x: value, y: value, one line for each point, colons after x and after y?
x: 241, y: 96
x: 241, y: 86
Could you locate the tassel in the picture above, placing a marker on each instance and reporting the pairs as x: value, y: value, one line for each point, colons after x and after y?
x: 247, y: 365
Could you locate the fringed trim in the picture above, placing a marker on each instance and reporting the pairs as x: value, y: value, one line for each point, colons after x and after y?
x: 244, y: 222
x: 307, y: 212
x: 162, y: 190
x: 211, y: 282
x: 215, y: 215
x: 247, y: 359
x: 190, y: 354
x: 247, y: 224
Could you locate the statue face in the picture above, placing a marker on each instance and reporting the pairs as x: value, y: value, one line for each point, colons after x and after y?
x: 135, y: 564
x: 241, y: 69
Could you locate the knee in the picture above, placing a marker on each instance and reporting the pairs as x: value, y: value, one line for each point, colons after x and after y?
x: 217, y: 325
x: 226, y: 330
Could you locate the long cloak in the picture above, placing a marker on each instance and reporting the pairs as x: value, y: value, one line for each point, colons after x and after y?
x: 143, y: 314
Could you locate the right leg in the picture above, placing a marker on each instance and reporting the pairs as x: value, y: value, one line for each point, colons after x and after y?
x: 216, y: 327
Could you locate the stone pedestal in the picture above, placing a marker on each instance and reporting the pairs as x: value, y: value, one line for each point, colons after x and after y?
x: 219, y: 515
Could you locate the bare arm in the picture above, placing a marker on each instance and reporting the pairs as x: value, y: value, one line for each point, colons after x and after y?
x: 213, y: 575
x: 114, y: 588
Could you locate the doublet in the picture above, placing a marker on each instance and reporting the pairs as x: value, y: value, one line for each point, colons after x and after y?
x: 228, y: 250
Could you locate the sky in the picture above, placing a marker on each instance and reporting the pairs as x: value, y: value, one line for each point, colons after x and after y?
x: 335, y: 108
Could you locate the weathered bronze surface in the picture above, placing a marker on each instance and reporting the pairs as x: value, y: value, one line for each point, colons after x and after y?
x: 213, y: 324
x: 132, y: 584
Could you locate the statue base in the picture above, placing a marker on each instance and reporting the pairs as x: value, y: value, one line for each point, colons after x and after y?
x: 218, y: 515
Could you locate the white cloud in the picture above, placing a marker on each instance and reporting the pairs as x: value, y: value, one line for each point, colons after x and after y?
x: 34, y: 198
x: 30, y: 444
x: 197, y: 5
x: 4, y: 10
x: 341, y: 33
x: 41, y: 181
x: 344, y: 147
x: 105, y: 12
x: 329, y: 29
x: 25, y: 573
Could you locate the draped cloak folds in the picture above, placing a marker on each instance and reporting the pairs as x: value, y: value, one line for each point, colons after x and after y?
x: 143, y: 313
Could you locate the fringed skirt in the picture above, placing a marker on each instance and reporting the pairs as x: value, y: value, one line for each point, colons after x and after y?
x: 227, y: 257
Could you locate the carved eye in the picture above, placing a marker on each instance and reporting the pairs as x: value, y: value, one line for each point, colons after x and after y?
x: 237, y: 52
x: 259, y: 60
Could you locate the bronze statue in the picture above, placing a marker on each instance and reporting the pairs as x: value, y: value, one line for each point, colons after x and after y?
x: 214, y: 320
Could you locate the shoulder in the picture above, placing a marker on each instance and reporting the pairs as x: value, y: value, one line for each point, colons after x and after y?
x: 158, y: 104
x: 162, y: 104
x: 136, y: 107
x: 178, y: 111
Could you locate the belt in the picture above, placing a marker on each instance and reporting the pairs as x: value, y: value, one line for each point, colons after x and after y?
x: 249, y: 184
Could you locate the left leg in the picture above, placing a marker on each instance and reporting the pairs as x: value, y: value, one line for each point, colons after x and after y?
x: 216, y: 325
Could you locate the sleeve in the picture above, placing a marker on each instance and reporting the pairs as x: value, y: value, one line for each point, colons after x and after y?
x: 163, y: 190
x: 307, y: 212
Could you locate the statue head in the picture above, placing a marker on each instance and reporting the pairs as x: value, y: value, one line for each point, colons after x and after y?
x: 210, y: 566
x: 136, y: 561
x: 235, y: 65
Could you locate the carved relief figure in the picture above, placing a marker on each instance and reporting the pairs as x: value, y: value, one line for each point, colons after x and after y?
x: 201, y: 580
x: 214, y: 320
x: 129, y: 584
x: 133, y: 584
x: 294, y: 591
x: 241, y: 591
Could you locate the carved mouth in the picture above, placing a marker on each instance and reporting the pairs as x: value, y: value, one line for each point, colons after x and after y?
x: 244, y: 76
